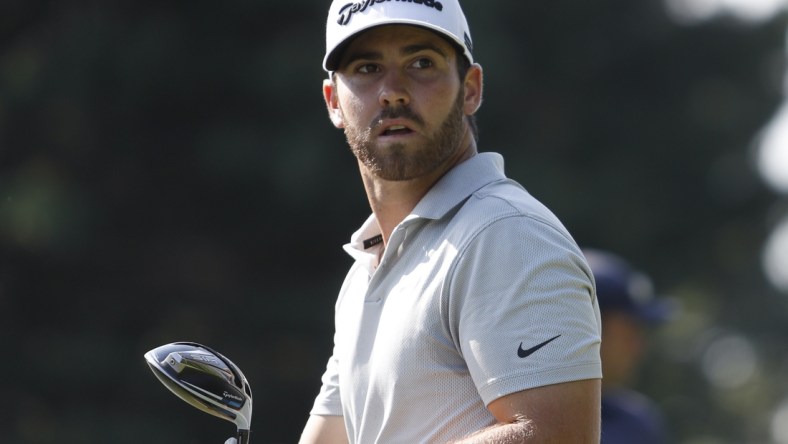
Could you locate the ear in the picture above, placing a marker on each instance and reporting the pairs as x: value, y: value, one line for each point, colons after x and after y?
x: 332, y: 103
x: 474, y: 86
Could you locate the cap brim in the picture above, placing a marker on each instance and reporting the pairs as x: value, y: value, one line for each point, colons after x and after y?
x: 332, y: 58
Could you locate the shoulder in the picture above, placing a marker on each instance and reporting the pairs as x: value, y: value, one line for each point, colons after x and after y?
x: 504, y: 211
x: 507, y: 198
x: 508, y: 243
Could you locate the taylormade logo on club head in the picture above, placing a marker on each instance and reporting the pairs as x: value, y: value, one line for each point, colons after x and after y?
x: 347, y: 11
x: 204, y: 358
x: 231, y: 396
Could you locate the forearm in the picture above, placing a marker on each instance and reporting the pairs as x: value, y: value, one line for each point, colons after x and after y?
x: 554, y: 414
x: 324, y: 430
x: 522, y: 431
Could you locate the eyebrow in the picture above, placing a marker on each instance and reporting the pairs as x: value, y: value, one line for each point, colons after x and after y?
x: 412, y: 49
x: 407, y: 50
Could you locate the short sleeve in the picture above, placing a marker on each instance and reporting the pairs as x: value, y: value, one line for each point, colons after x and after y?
x: 523, y: 309
x: 328, y: 402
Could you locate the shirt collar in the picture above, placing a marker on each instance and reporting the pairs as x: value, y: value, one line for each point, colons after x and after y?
x: 453, y: 188
x: 458, y: 184
x: 362, y: 246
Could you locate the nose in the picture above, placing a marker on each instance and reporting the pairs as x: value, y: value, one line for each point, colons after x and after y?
x: 393, y: 91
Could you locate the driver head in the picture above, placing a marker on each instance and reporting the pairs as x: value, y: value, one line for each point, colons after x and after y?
x: 205, y: 379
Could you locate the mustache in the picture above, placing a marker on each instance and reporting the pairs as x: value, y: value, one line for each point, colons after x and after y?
x: 400, y: 112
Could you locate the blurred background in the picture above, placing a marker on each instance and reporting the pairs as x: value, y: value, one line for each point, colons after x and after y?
x: 167, y: 172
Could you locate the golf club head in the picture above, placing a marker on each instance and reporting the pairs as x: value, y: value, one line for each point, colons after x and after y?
x: 205, y: 379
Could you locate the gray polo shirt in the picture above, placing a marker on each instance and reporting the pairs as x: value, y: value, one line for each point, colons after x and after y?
x: 481, y: 292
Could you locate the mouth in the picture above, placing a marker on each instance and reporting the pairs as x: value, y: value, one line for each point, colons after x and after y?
x: 395, y: 128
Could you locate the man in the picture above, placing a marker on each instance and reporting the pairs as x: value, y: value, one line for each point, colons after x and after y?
x: 469, y: 314
x: 628, y: 305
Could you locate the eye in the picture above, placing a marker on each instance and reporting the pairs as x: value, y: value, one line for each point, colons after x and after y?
x: 422, y: 63
x: 368, y: 68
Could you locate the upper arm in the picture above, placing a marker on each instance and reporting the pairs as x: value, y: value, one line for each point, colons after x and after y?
x: 538, y: 295
x: 324, y: 430
x: 558, y: 413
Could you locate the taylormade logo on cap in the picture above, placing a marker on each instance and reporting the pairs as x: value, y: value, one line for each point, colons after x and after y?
x: 347, y: 11
x: 347, y: 19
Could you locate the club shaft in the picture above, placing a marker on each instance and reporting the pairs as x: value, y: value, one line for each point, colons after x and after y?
x: 243, y: 436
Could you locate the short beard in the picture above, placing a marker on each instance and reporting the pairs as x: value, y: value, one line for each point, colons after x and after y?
x: 397, y: 162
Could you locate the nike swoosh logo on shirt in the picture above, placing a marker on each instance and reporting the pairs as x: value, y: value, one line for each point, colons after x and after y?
x: 528, y: 352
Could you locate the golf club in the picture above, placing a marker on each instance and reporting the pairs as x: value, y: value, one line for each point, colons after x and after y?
x: 206, y: 380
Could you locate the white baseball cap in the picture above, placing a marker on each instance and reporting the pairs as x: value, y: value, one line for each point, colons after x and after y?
x: 348, y: 18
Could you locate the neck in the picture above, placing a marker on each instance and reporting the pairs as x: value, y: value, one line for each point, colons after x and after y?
x: 393, y: 201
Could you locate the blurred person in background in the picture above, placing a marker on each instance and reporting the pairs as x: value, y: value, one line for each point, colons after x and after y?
x: 629, y: 308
